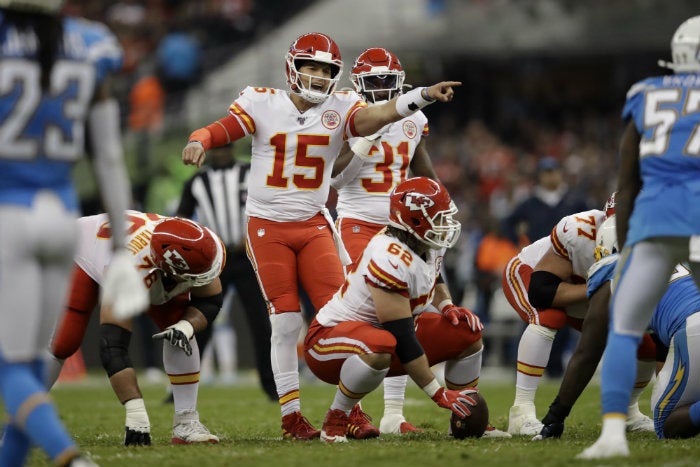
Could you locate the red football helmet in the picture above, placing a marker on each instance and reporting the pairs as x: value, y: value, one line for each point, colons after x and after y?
x: 315, y: 47
x: 423, y: 208
x: 187, y: 250
x: 609, y: 207
x: 377, y: 75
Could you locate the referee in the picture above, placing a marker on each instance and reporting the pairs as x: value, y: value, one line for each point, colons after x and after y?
x: 217, y: 192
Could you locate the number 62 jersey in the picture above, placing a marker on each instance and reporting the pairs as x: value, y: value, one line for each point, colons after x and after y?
x: 390, y: 264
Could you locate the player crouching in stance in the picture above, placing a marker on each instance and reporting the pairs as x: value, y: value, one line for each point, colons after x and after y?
x: 180, y: 262
x: 367, y: 330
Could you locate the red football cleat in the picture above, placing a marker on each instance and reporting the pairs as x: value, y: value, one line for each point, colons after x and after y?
x: 359, y: 426
x: 296, y: 426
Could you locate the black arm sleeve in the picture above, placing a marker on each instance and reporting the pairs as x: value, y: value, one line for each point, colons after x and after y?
x: 542, y: 289
x: 407, y: 346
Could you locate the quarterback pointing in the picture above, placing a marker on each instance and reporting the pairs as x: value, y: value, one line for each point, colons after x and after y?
x: 291, y: 239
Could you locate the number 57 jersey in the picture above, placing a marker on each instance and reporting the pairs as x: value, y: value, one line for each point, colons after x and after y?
x: 389, y: 264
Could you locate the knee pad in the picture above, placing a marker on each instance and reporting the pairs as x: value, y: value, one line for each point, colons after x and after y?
x: 114, y: 348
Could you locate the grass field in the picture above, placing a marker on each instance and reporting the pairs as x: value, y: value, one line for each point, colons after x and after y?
x: 248, y: 425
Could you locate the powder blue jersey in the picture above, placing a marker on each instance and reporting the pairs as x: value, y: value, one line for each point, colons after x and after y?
x: 681, y: 299
x: 666, y: 113
x: 42, y: 132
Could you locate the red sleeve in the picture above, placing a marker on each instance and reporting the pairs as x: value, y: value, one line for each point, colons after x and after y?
x: 221, y: 132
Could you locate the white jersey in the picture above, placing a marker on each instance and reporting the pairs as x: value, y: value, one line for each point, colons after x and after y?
x: 292, y: 152
x: 390, y: 264
x: 365, y: 196
x: 95, y: 252
x: 573, y: 238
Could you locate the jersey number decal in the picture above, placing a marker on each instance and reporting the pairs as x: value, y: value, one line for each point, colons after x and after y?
x: 384, y: 168
x: 302, y: 159
x: 590, y: 220
x: 50, y: 125
x: 663, y: 119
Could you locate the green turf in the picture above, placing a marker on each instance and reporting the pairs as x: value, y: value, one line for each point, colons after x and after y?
x: 248, y: 426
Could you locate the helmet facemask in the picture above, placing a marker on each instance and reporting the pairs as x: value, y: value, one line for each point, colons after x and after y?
x: 300, y: 83
x: 378, y: 86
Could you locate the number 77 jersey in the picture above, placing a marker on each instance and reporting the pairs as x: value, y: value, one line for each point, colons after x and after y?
x: 292, y: 152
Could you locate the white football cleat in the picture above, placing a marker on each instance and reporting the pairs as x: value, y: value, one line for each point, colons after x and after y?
x: 637, y: 421
x: 606, y: 447
x: 522, y: 420
x: 396, y: 424
x: 187, y: 429
x: 493, y: 432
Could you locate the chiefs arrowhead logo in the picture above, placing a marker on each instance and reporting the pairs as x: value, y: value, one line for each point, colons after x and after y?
x: 416, y: 201
x: 175, y: 260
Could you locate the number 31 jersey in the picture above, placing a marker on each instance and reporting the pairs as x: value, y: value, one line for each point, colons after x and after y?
x: 389, y: 264
x: 42, y: 132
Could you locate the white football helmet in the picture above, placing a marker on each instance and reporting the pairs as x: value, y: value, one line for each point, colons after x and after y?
x: 33, y: 6
x: 685, y: 47
x: 606, y: 239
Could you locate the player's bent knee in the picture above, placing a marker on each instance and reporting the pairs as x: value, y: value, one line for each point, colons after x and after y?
x: 679, y: 425
x: 114, y: 348
x: 553, y: 319
x: 378, y: 361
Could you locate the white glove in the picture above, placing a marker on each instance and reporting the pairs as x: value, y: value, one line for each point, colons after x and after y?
x: 364, y: 144
x: 179, y: 335
x: 122, y: 287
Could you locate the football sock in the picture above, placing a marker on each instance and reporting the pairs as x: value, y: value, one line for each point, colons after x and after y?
x: 183, y: 372
x: 356, y: 380
x: 28, y: 405
x: 394, y: 394
x: 463, y: 372
x: 533, y: 355
x: 618, y: 372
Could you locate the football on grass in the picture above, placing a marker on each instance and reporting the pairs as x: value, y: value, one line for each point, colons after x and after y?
x: 474, y: 425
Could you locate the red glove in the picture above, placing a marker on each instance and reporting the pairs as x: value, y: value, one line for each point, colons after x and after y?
x: 457, y: 401
x: 456, y: 313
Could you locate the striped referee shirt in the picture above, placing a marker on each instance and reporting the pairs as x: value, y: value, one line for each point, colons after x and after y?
x: 217, y: 197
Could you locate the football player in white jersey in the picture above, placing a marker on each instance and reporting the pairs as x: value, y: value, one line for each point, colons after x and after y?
x: 367, y: 330
x: 364, y: 184
x: 54, y: 72
x: 179, y: 261
x: 546, y: 285
x: 296, y: 137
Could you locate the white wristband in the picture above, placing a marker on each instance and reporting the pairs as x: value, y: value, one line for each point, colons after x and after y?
x: 444, y: 303
x: 185, y: 327
x: 431, y: 388
x: 411, y: 102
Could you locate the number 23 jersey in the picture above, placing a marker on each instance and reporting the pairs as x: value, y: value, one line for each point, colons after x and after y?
x: 389, y: 264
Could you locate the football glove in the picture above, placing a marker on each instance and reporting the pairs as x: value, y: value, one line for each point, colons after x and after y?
x: 178, y: 335
x: 550, y: 430
x: 138, y: 427
x: 458, y: 401
x: 122, y: 288
x: 456, y: 313
x: 364, y: 144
